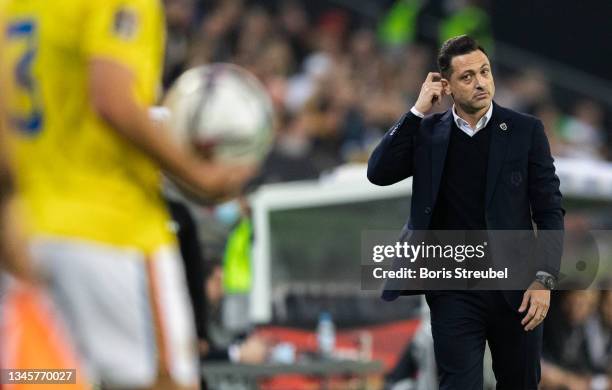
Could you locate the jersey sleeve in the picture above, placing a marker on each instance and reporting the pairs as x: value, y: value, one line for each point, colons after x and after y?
x: 121, y: 30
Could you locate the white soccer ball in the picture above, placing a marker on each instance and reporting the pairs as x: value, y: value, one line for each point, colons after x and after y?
x: 223, y: 112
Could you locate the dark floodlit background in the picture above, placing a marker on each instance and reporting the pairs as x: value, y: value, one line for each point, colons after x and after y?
x: 339, y: 74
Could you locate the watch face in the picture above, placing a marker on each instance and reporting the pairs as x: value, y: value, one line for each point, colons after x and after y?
x: 550, y: 283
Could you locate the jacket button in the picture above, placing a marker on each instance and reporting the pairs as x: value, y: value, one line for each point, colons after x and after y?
x: 427, y: 210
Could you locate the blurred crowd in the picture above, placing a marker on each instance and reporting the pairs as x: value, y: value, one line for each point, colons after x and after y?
x: 338, y: 80
x: 577, y: 349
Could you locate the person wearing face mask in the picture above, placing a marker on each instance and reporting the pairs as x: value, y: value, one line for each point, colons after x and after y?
x: 481, y: 167
x: 235, y: 214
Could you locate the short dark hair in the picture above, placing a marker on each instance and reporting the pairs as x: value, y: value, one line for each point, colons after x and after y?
x: 453, y: 47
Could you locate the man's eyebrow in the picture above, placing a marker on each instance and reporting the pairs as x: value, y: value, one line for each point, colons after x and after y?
x: 472, y: 70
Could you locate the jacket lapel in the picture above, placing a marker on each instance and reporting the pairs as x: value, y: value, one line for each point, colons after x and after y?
x: 501, y: 128
x: 439, y: 146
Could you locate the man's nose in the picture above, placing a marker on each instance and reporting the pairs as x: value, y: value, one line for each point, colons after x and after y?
x: 480, y: 82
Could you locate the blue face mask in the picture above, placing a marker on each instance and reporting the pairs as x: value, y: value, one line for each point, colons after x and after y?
x: 228, y: 213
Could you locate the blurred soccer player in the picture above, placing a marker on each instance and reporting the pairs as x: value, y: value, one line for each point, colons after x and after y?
x: 30, y: 335
x: 11, y: 256
x: 87, y: 156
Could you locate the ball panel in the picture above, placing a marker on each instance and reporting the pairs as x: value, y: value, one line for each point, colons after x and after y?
x: 223, y: 110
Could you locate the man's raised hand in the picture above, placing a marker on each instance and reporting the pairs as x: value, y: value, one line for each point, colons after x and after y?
x: 431, y: 93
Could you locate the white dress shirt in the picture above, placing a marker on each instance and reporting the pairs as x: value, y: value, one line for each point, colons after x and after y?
x: 462, y: 123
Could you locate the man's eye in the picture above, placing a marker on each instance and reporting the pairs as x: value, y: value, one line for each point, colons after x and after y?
x: 485, y: 72
x: 466, y: 77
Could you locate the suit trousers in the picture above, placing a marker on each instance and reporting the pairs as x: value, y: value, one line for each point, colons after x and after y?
x: 461, y: 323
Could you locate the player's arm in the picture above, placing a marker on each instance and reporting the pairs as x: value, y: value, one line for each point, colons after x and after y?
x: 6, y: 180
x: 119, y: 36
x: 13, y: 257
x: 111, y: 89
x: 6, y: 191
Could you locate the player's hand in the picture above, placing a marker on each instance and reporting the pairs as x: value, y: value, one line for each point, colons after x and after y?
x: 575, y: 382
x: 431, y: 93
x: 537, y: 299
x: 205, y: 181
x: 253, y: 351
x: 221, y: 180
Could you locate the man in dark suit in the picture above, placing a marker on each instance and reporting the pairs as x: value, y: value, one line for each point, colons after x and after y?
x: 478, y: 166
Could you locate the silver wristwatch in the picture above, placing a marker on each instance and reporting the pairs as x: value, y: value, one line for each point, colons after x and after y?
x: 547, y: 280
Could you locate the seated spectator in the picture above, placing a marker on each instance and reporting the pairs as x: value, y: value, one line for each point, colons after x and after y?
x: 571, y: 359
x: 205, y: 285
x: 599, y: 332
x: 551, y: 118
x: 583, y: 131
x: 218, y: 343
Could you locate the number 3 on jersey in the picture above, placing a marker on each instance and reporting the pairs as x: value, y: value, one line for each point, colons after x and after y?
x: 28, y: 115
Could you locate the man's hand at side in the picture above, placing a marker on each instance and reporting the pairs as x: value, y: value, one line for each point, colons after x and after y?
x: 537, y: 298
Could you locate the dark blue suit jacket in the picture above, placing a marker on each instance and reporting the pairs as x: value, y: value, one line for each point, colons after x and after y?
x: 521, y: 187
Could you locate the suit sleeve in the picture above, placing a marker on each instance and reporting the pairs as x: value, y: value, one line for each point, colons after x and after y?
x: 545, y: 201
x: 392, y: 160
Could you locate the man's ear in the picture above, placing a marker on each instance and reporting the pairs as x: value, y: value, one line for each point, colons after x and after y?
x: 445, y: 86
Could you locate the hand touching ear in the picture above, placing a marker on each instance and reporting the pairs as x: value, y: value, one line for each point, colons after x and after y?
x: 432, y: 92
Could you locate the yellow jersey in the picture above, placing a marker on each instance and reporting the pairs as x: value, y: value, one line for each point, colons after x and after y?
x: 78, y: 177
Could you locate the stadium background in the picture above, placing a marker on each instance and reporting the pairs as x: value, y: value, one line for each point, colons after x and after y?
x: 340, y: 72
